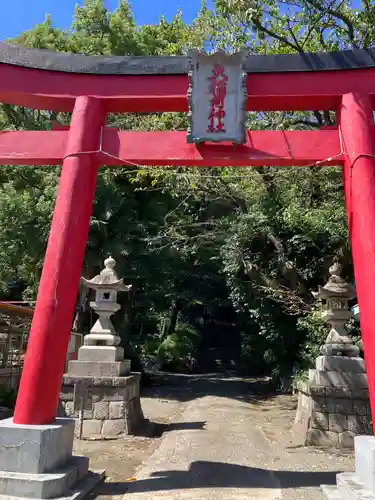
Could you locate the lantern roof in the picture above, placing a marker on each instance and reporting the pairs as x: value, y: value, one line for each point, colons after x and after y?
x: 107, y: 279
x: 336, y: 286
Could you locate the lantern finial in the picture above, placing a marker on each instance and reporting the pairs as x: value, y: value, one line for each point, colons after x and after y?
x: 110, y: 263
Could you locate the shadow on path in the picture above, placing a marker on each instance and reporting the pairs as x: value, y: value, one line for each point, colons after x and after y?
x: 184, y: 388
x: 220, y: 475
x: 159, y: 429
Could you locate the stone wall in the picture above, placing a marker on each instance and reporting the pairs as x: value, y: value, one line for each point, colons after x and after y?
x: 116, y: 407
x: 332, y: 416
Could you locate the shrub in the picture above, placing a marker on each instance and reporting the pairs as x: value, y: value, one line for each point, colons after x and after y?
x: 8, y: 397
x: 177, y: 349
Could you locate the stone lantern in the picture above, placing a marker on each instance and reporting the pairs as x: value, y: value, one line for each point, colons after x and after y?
x: 101, y: 355
x: 99, y: 382
x: 335, y: 295
x: 333, y: 404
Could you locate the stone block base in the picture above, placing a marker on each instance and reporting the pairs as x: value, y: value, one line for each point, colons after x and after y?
x: 333, y: 378
x: 82, y: 489
x: 332, y: 416
x: 348, y: 488
x: 36, y: 461
x: 116, y: 408
x: 78, y: 368
x: 361, y: 484
x: 50, y: 485
x: 35, y: 449
x: 340, y: 364
x: 108, y: 354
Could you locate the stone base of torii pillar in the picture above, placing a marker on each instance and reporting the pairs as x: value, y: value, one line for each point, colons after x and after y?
x: 358, y: 485
x: 37, y: 462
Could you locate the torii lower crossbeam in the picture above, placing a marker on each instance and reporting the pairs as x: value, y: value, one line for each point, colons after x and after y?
x: 279, y: 148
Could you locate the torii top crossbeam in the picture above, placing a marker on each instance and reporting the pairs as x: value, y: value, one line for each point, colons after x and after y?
x: 156, y: 84
x: 91, y: 87
x: 48, y: 80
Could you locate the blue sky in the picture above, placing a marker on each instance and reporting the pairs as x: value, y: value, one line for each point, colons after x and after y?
x: 19, y: 15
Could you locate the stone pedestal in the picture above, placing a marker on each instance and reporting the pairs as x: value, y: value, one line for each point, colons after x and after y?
x: 333, y: 412
x: 333, y: 405
x: 36, y: 462
x: 98, y: 368
x: 116, y: 407
x: 339, y: 372
x: 358, y: 485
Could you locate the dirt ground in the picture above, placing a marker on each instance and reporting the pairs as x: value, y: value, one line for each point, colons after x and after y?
x: 164, y: 402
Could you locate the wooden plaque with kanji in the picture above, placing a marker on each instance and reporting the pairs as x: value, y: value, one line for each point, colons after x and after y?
x: 217, y: 97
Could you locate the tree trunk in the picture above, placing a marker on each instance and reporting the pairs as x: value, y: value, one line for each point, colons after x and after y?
x: 175, y: 309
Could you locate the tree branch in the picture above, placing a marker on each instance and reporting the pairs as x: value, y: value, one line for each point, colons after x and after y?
x: 298, y: 45
x: 274, y: 35
x: 339, y: 15
x: 311, y: 29
x: 29, y: 183
x: 308, y: 123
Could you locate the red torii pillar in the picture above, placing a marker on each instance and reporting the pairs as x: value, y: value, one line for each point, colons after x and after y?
x: 50, y: 331
x: 358, y: 137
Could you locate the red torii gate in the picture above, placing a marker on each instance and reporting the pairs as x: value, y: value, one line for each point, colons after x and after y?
x: 91, y: 87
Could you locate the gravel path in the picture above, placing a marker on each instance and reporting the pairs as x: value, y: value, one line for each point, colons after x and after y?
x: 215, y: 437
x: 301, y: 470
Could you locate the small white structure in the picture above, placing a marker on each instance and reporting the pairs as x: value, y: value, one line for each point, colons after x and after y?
x: 100, y: 355
x: 106, y: 286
